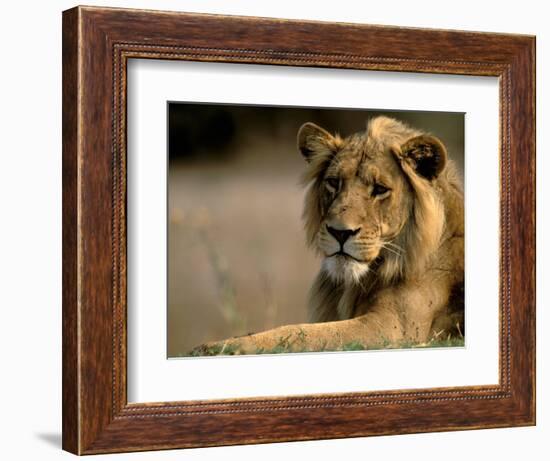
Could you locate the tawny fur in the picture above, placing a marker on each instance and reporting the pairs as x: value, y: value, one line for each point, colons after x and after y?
x: 400, y: 276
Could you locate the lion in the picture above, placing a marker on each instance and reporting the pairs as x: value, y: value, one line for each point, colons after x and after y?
x: 384, y: 209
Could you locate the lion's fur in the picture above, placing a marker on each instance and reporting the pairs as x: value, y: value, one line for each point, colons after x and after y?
x: 435, y: 216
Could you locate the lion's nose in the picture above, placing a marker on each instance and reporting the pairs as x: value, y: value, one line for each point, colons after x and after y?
x: 341, y: 235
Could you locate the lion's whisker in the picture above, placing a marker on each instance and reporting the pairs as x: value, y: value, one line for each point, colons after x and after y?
x: 393, y: 245
x: 392, y: 251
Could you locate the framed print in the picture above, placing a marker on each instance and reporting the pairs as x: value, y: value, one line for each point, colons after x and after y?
x: 280, y: 230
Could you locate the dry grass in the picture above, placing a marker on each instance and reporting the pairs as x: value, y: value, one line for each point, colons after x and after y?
x: 237, y: 259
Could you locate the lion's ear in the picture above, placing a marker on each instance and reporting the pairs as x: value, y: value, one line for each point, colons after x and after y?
x: 426, y: 154
x: 312, y: 140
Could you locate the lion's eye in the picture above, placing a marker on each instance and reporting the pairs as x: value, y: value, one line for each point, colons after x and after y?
x: 379, y: 189
x: 332, y: 183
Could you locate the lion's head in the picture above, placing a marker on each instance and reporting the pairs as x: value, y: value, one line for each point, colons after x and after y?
x: 373, y: 199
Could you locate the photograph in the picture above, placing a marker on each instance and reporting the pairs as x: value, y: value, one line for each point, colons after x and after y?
x: 313, y: 229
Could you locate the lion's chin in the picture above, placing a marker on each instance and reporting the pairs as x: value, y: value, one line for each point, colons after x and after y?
x: 346, y: 270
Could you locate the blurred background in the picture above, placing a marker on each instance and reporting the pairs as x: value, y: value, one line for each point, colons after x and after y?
x: 237, y: 259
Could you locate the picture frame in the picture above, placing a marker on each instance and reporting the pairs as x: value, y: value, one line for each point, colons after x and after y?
x: 97, y: 44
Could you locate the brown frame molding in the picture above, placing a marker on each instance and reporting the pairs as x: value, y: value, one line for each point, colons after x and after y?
x: 97, y: 43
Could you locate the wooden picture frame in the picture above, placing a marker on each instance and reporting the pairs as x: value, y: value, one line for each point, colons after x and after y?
x: 97, y: 43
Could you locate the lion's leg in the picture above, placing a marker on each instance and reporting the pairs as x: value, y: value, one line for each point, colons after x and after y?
x: 396, y: 315
x: 368, y: 331
x: 416, y: 304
